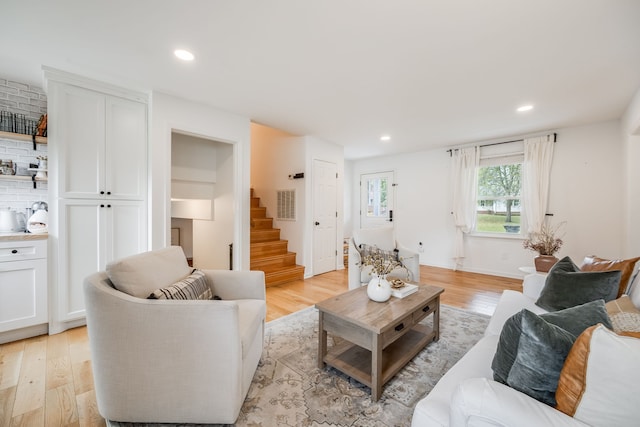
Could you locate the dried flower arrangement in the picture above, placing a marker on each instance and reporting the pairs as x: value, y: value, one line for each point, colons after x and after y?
x: 545, y: 242
x: 381, y: 262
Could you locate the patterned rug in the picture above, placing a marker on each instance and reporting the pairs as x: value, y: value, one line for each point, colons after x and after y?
x: 288, y: 389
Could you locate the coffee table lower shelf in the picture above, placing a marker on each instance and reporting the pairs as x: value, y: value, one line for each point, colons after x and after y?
x: 355, y: 361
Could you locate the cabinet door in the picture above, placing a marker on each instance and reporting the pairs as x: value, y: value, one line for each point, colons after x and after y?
x: 126, y: 149
x: 125, y: 226
x: 80, y: 254
x: 23, y: 294
x: 77, y: 151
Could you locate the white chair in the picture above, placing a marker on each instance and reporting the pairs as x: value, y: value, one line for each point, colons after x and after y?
x: 173, y: 361
x: 383, y: 239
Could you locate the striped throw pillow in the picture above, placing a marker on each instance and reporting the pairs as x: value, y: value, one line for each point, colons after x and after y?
x: 194, y: 286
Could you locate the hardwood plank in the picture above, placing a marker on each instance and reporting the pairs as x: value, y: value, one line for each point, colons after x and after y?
x: 7, y: 397
x: 61, y: 406
x: 88, y: 410
x: 31, y: 384
x: 58, y: 372
x: 82, y: 376
x: 10, y: 364
x: 29, y: 419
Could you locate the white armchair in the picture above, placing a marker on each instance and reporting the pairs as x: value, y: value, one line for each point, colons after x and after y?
x: 382, y: 238
x: 173, y: 361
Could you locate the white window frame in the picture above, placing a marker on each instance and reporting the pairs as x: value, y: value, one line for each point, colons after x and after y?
x: 496, y: 155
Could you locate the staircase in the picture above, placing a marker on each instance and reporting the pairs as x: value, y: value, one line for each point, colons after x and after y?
x: 268, y: 252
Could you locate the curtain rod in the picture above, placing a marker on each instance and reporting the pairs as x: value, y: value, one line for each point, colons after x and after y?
x: 450, y: 151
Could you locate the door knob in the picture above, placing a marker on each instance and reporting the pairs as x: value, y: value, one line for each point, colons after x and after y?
x: 317, y: 223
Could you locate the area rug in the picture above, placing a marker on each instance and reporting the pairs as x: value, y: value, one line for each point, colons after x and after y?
x: 288, y: 389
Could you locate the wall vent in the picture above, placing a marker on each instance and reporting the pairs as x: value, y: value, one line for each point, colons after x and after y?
x: 286, y: 205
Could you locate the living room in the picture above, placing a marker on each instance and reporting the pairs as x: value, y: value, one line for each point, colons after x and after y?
x: 444, y: 88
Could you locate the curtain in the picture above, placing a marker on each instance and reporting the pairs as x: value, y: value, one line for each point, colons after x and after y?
x: 536, y: 170
x: 464, y: 178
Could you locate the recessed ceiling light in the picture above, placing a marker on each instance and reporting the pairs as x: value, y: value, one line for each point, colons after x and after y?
x: 385, y: 138
x: 185, y: 55
x: 524, y: 108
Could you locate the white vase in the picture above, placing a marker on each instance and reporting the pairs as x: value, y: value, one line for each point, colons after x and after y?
x: 379, y: 289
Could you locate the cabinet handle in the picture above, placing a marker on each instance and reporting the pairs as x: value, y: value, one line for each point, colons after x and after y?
x: 108, y: 206
x: 15, y: 251
x: 399, y: 327
x: 102, y: 206
x: 426, y: 309
x: 108, y: 193
x: 102, y: 192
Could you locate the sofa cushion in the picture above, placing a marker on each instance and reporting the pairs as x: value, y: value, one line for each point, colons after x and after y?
x: 139, y: 275
x: 625, y: 266
x: 596, y: 384
x: 532, y: 348
x: 194, y: 286
x: 566, y: 286
x: 624, y: 315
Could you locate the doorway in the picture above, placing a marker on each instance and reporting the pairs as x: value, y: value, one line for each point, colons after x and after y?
x: 202, y: 199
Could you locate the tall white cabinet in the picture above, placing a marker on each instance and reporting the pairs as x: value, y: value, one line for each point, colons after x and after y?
x: 97, y: 185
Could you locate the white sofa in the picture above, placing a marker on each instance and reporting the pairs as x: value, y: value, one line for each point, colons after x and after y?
x: 467, y: 395
x: 173, y: 361
x: 383, y: 239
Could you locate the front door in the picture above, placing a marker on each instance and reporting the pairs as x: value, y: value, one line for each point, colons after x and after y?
x: 376, y: 199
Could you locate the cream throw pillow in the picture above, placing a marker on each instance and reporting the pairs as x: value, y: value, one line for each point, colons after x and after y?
x: 599, y: 383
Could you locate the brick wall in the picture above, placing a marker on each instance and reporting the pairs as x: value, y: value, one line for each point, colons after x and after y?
x: 22, y: 98
x: 31, y: 101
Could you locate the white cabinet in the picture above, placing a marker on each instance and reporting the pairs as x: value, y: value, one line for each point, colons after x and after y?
x: 97, y: 185
x: 105, y: 144
x: 97, y: 232
x: 23, y: 288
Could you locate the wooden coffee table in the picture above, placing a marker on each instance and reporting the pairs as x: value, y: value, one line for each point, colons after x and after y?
x: 380, y: 337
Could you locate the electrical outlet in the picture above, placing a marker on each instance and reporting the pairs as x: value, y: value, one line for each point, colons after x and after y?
x: 420, y: 247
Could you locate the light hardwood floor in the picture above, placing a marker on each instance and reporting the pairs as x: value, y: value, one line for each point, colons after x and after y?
x: 47, y: 380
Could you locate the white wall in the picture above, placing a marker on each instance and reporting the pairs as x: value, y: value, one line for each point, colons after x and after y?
x: 587, y: 192
x: 631, y: 136
x: 169, y: 113
x: 212, y: 238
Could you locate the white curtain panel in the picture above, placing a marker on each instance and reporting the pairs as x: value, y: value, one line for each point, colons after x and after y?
x: 538, y: 155
x: 464, y: 163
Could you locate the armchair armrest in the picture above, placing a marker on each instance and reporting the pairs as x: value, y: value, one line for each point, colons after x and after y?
x: 232, y: 285
x: 482, y: 402
x: 411, y: 261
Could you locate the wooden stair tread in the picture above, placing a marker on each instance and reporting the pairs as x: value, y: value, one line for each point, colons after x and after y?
x: 269, y: 253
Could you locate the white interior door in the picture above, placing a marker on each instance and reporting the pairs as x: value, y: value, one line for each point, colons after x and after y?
x: 376, y: 199
x: 325, y: 216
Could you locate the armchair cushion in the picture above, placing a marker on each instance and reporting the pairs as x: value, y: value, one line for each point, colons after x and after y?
x: 566, y: 286
x: 194, y: 286
x: 140, y: 275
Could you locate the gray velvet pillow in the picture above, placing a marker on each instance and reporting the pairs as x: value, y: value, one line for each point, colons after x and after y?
x: 566, y: 286
x: 519, y: 345
x: 542, y: 350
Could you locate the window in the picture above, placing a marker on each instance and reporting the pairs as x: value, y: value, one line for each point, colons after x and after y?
x: 499, y: 191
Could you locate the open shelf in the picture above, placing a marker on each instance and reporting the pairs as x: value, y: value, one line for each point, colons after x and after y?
x: 23, y: 137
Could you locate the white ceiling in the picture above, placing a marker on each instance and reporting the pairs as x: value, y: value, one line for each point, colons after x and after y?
x: 430, y: 73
